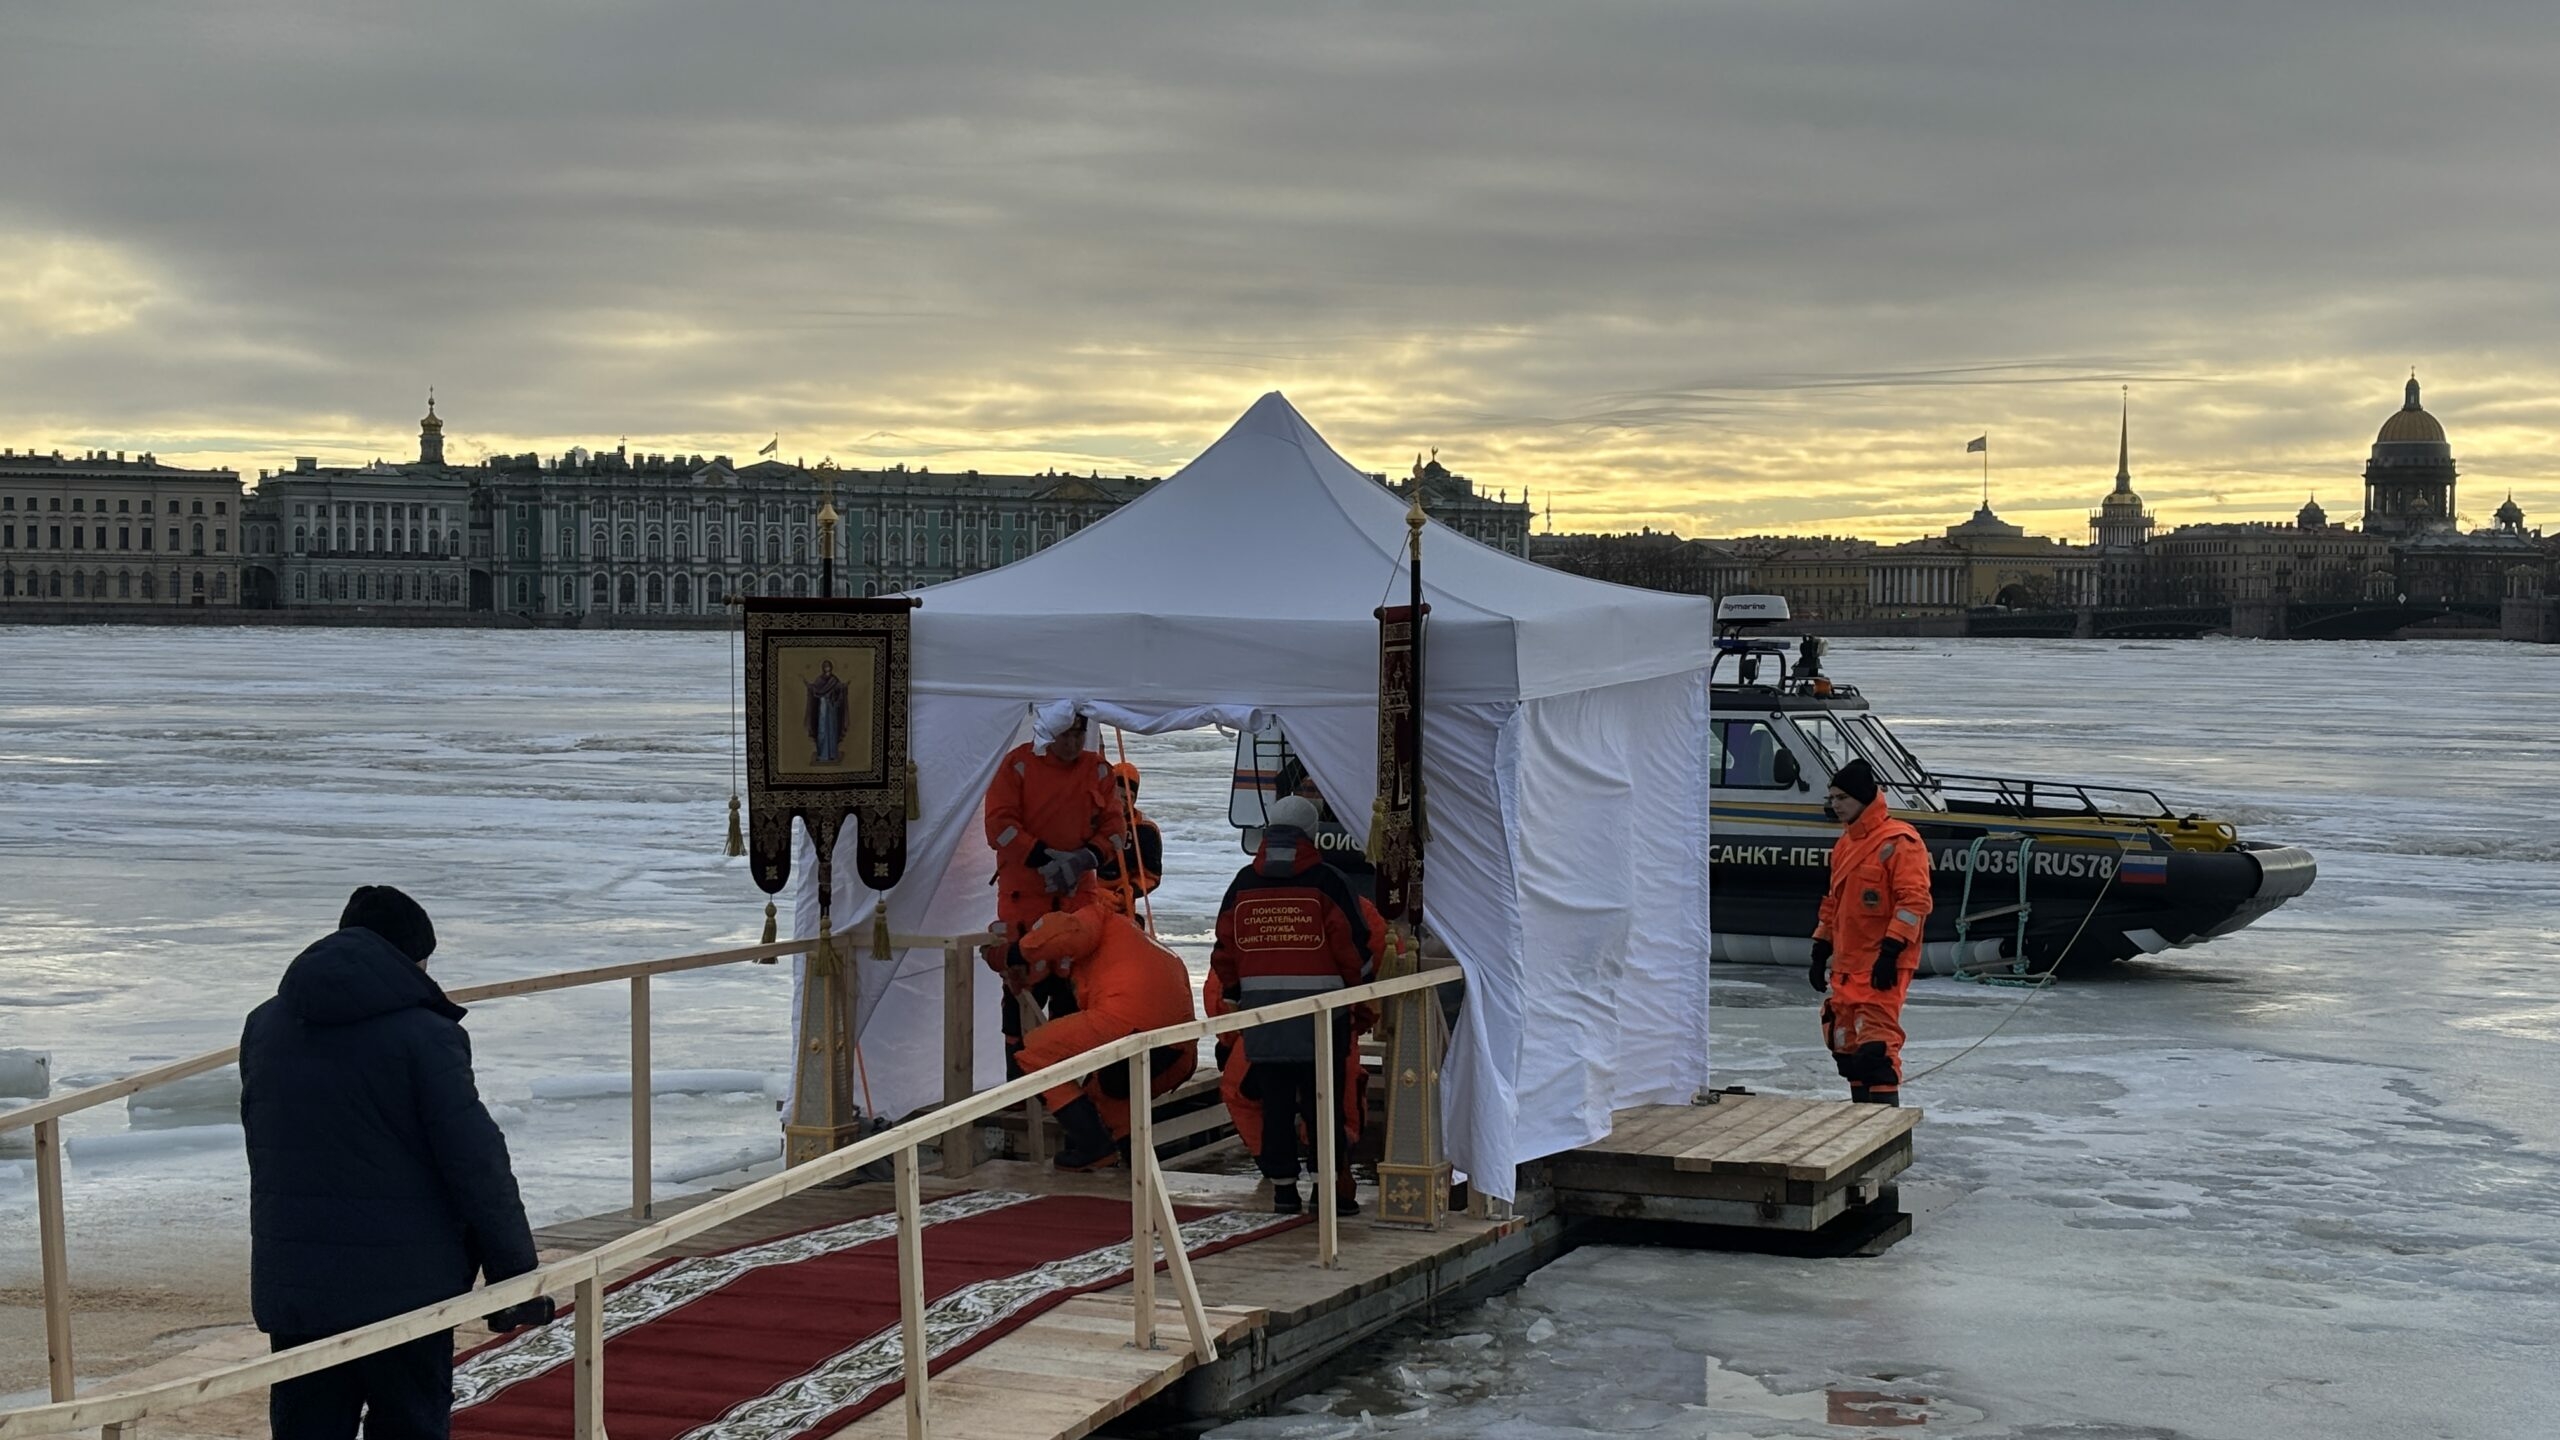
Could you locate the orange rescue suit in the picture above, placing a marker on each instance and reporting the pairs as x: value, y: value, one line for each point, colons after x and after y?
x: 1245, y: 1110
x: 1125, y: 983
x: 1041, y: 800
x: 1879, y: 888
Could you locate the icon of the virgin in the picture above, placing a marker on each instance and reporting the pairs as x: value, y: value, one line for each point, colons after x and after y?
x: 826, y: 714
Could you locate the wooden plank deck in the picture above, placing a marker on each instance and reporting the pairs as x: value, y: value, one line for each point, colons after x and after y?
x: 1791, y: 1170
x: 1745, y: 1163
x: 1280, y: 1314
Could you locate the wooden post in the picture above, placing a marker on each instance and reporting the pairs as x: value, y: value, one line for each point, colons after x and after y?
x: 912, y: 1343
x: 824, y: 1117
x: 1142, y: 1214
x: 586, y: 1404
x: 1186, y: 1287
x: 56, y: 1259
x: 1035, y: 1132
x: 1328, y: 1114
x: 642, y: 1093
x: 959, y: 1054
x: 1413, y: 1173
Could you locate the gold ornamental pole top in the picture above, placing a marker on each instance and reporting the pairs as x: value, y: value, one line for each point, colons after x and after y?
x: 827, y: 514
x: 1413, y: 515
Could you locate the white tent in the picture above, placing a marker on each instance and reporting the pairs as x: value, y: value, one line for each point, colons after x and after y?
x: 1565, y: 731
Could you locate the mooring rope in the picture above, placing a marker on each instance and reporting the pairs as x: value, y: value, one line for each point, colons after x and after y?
x: 2042, y: 982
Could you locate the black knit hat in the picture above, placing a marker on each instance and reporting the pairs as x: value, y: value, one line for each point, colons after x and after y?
x: 1857, y: 780
x: 393, y: 916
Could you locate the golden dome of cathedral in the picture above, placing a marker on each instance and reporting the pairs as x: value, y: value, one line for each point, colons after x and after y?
x: 2410, y: 425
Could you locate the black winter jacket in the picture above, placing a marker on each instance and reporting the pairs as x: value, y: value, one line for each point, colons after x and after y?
x: 377, y: 1181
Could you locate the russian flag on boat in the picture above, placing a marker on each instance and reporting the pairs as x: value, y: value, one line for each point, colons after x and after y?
x: 2144, y: 870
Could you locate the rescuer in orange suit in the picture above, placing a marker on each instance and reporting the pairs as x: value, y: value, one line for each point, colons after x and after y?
x: 1054, y: 824
x: 1125, y: 983
x: 1246, y: 1111
x: 1866, y: 946
x: 1290, y: 927
x: 1137, y: 865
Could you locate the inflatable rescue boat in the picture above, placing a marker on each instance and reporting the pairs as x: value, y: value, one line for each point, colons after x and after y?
x: 2030, y: 875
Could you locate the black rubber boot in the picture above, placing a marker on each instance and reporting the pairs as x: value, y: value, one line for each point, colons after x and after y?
x: 1089, y: 1143
x: 1879, y: 1097
x: 1284, y: 1198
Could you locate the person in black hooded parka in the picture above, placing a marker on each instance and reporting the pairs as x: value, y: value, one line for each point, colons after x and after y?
x: 377, y: 1181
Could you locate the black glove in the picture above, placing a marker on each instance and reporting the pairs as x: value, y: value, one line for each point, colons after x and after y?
x: 1067, y: 868
x: 1819, y: 975
x: 1888, y: 964
x: 1039, y: 855
x: 537, y: 1311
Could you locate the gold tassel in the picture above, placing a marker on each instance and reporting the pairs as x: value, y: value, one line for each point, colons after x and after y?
x: 822, y: 961
x: 1377, y: 830
x: 737, y: 837
x: 880, y: 929
x: 915, y: 797
x: 768, y: 922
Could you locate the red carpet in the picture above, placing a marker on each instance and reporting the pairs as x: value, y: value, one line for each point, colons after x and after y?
x: 799, y: 1335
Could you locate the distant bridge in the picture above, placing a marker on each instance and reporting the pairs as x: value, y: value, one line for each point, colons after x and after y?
x: 2255, y: 619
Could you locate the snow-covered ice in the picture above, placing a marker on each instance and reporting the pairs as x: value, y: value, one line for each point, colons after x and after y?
x: 2301, y: 1182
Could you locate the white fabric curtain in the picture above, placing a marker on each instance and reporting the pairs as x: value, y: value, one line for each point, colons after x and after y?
x: 1565, y: 836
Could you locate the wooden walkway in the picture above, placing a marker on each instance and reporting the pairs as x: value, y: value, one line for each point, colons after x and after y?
x: 1280, y: 1316
x: 1745, y: 1171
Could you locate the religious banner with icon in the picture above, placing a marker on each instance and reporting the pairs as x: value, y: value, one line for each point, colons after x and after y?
x: 826, y: 703
x: 1396, y: 841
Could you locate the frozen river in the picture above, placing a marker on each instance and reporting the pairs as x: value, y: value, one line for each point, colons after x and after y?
x: 2304, y: 1182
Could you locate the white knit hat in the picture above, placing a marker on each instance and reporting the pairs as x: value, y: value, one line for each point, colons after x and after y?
x: 1293, y: 812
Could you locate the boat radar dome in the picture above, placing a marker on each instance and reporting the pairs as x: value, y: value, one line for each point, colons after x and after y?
x: 1752, y: 610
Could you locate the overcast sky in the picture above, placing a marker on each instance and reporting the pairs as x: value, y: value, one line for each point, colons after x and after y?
x: 1723, y: 268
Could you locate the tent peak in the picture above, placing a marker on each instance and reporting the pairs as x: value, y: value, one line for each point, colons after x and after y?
x: 1274, y: 416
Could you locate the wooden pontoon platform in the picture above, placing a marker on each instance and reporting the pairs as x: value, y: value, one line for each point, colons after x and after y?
x: 1753, y: 1172
x: 1745, y: 1171
x: 1281, y: 1318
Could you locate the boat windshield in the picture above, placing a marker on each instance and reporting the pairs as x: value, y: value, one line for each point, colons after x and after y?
x: 1887, y: 752
x: 1841, y: 739
x: 1829, y: 740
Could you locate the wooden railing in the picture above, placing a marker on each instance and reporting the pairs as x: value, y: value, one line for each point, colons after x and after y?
x: 46, y: 1116
x: 583, y: 1277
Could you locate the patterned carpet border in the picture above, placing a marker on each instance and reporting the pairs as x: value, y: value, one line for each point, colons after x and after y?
x: 856, y: 1380
x: 673, y: 1284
